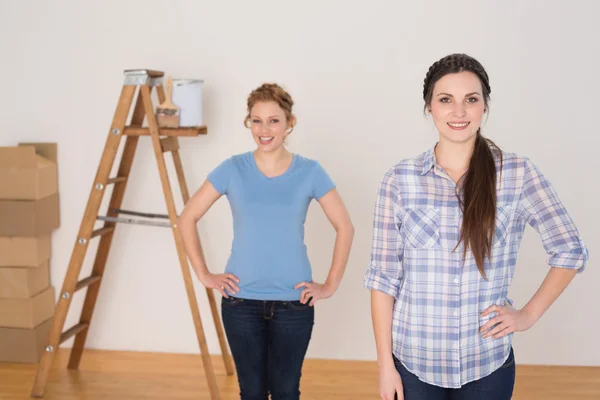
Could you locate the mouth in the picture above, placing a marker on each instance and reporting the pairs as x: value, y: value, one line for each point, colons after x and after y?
x: 266, y: 139
x: 457, y: 126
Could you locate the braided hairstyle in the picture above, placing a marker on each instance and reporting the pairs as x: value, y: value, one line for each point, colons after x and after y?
x: 478, y: 200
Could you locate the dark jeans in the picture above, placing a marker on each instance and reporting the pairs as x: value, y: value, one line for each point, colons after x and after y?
x: 497, y: 386
x: 268, y: 341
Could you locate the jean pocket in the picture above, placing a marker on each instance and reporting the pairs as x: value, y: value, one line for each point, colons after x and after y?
x: 422, y: 228
x: 296, y: 305
x: 231, y: 301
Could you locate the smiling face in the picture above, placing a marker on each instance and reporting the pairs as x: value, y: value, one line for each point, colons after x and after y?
x: 269, y: 125
x: 457, y: 106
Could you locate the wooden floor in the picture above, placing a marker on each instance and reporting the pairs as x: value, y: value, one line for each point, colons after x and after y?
x: 107, y: 375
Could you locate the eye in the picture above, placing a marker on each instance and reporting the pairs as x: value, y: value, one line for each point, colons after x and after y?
x: 256, y: 121
x: 274, y: 121
x: 472, y: 99
x: 445, y: 100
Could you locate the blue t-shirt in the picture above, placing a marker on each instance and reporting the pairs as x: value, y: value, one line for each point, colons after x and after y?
x: 268, y: 253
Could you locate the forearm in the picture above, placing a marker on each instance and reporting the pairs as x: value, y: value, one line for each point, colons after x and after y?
x: 341, y: 253
x: 382, y: 307
x: 192, y: 245
x: 553, y: 285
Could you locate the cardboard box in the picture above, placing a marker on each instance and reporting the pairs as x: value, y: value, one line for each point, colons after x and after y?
x: 28, y: 171
x: 23, y: 283
x: 24, y: 251
x: 27, y: 313
x: 26, y: 218
x: 24, y: 345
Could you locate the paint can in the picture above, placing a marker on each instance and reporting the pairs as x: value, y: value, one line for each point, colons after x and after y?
x: 187, y: 95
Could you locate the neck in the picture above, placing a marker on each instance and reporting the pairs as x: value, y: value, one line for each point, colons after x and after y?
x: 453, y: 156
x: 272, y: 157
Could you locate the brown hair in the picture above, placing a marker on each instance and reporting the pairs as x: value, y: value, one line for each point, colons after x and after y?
x: 271, y: 92
x: 478, y: 201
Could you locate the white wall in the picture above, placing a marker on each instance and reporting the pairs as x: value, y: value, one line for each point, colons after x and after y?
x: 355, y: 71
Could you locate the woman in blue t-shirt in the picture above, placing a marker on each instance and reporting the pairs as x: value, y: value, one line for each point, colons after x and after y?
x: 267, y: 288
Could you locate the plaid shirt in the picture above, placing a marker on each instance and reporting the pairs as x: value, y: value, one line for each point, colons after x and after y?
x: 438, y: 299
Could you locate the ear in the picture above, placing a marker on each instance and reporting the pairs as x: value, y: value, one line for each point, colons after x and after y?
x: 291, y: 123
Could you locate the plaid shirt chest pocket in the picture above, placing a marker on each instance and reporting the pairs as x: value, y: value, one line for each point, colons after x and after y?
x: 421, y: 228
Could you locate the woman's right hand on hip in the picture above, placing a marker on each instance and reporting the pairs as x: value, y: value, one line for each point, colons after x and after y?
x: 222, y: 282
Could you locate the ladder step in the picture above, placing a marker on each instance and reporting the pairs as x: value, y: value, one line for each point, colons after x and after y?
x: 169, y: 144
x: 74, y: 330
x: 86, y: 282
x: 117, y: 179
x: 103, y: 231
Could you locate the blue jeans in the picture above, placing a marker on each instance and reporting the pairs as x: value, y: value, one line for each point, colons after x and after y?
x: 268, y: 341
x: 497, y: 386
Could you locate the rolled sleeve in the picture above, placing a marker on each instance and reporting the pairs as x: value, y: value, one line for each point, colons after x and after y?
x: 545, y: 213
x: 376, y: 279
x: 385, y: 270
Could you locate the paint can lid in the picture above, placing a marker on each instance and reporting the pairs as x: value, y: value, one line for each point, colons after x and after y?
x: 182, y: 81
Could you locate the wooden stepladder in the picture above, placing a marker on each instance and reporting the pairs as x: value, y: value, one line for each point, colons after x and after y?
x: 163, y: 140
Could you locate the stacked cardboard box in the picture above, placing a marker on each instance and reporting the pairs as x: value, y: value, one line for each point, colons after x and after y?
x: 29, y: 212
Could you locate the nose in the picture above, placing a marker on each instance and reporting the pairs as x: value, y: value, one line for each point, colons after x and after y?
x: 459, y: 109
x: 265, y: 128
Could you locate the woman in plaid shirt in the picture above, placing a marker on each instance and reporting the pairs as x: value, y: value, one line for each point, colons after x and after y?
x: 447, y: 227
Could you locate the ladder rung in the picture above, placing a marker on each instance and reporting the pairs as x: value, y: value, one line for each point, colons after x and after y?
x: 169, y: 144
x: 193, y: 131
x: 139, y: 214
x: 103, y: 231
x: 134, y: 221
x: 117, y: 179
x: 74, y: 330
x: 86, y: 282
